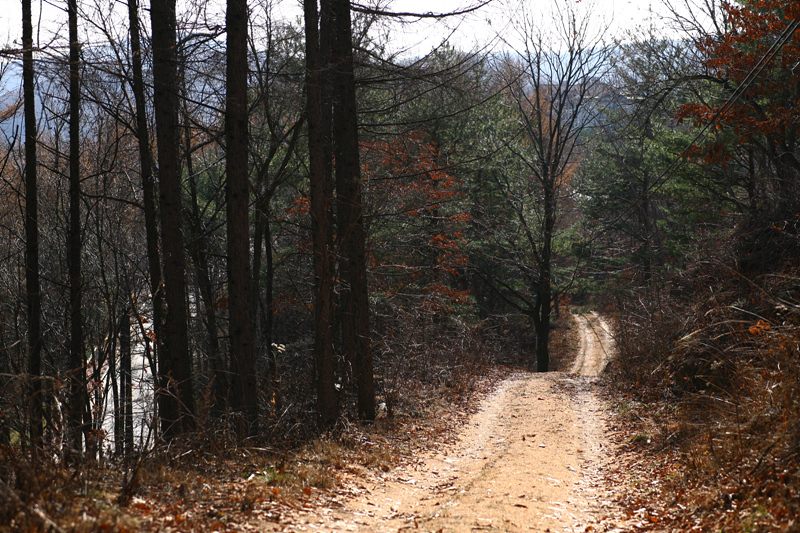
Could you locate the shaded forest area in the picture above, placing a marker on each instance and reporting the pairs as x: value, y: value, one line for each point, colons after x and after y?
x: 246, y: 247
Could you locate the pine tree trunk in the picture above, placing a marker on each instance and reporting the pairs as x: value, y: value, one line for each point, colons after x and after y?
x: 244, y: 397
x: 32, y: 283
x: 317, y: 25
x: 78, y: 418
x: 352, y: 236
x: 175, y: 397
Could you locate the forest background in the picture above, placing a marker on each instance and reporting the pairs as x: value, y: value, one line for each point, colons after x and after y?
x: 255, y: 231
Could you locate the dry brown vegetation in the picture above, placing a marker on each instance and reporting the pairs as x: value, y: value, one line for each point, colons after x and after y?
x: 208, y: 483
x: 707, y: 391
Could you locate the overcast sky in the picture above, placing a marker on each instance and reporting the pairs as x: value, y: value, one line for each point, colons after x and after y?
x: 467, y: 32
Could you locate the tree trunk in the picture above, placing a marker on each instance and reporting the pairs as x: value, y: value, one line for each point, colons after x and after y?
x: 542, y: 328
x: 544, y: 289
x: 352, y: 236
x: 244, y: 396
x: 317, y: 25
x: 32, y: 284
x: 79, y: 422
x: 114, y: 381
x: 175, y: 397
x: 126, y: 383
x: 197, y: 251
x: 5, y: 379
x: 148, y: 184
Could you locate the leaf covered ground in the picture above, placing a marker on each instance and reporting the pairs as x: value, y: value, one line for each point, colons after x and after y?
x: 202, y: 485
x: 706, y: 392
x: 190, y: 487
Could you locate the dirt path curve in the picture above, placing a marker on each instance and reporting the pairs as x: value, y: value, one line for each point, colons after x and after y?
x: 597, y: 345
x: 529, y: 460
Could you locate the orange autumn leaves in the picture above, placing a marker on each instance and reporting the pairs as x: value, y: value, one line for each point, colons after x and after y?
x: 407, y: 169
x: 760, y: 327
x: 415, y: 222
x: 417, y: 244
x: 770, y: 105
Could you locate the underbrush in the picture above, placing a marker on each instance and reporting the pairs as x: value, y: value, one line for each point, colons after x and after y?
x: 564, y: 343
x: 711, y: 373
x: 430, y: 376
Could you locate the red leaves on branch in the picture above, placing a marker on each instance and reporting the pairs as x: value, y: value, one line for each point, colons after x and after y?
x: 409, y: 186
x: 301, y: 207
x: 770, y: 105
x: 407, y: 170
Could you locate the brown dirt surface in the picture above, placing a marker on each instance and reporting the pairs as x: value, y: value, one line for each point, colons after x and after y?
x: 532, y: 458
x: 517, y: 451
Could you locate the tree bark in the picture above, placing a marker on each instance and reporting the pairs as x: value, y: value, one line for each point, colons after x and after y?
x: 148, y: 184
x: 349, y: 207
x: 79, y: 421
x: 544, y: 285
x: 244, y: 396
x: 32, y: 282
x: 175, y: 395
x: 317, y: 25
x: 126, y: 382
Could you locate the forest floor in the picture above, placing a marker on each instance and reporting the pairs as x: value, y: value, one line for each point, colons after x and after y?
x: 534, y: 457
x: 523, y: 452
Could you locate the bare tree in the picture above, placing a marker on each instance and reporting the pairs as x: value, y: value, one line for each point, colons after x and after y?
x: 555, y: 81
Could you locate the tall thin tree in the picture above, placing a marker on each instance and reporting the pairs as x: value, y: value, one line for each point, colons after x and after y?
x: 554, y: 84
x: 317, y: 25
x: 237, y: 193
x: 176, y: 397
x: 78, y: 414
x: 32, y: 281
x: 126, y: 383
x: 350, y: 216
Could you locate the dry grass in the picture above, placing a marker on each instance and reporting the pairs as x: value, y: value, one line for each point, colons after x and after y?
x: 190, y: 485
x: 712, y: 367
x: 565, y: 342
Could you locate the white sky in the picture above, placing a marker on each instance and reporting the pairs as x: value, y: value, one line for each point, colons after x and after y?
x: 474, y: 29
x: 498, y: 18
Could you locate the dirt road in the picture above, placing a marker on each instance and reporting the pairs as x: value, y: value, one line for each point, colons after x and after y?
x: 530, y: 460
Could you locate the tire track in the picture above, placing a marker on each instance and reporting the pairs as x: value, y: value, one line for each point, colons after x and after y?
x: 531, y: 459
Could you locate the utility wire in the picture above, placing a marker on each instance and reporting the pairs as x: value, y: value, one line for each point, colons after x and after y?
x: 779, y: 43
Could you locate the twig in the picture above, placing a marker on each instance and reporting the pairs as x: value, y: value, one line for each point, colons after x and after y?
x: 34, y: 511
x: 764, y: 455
